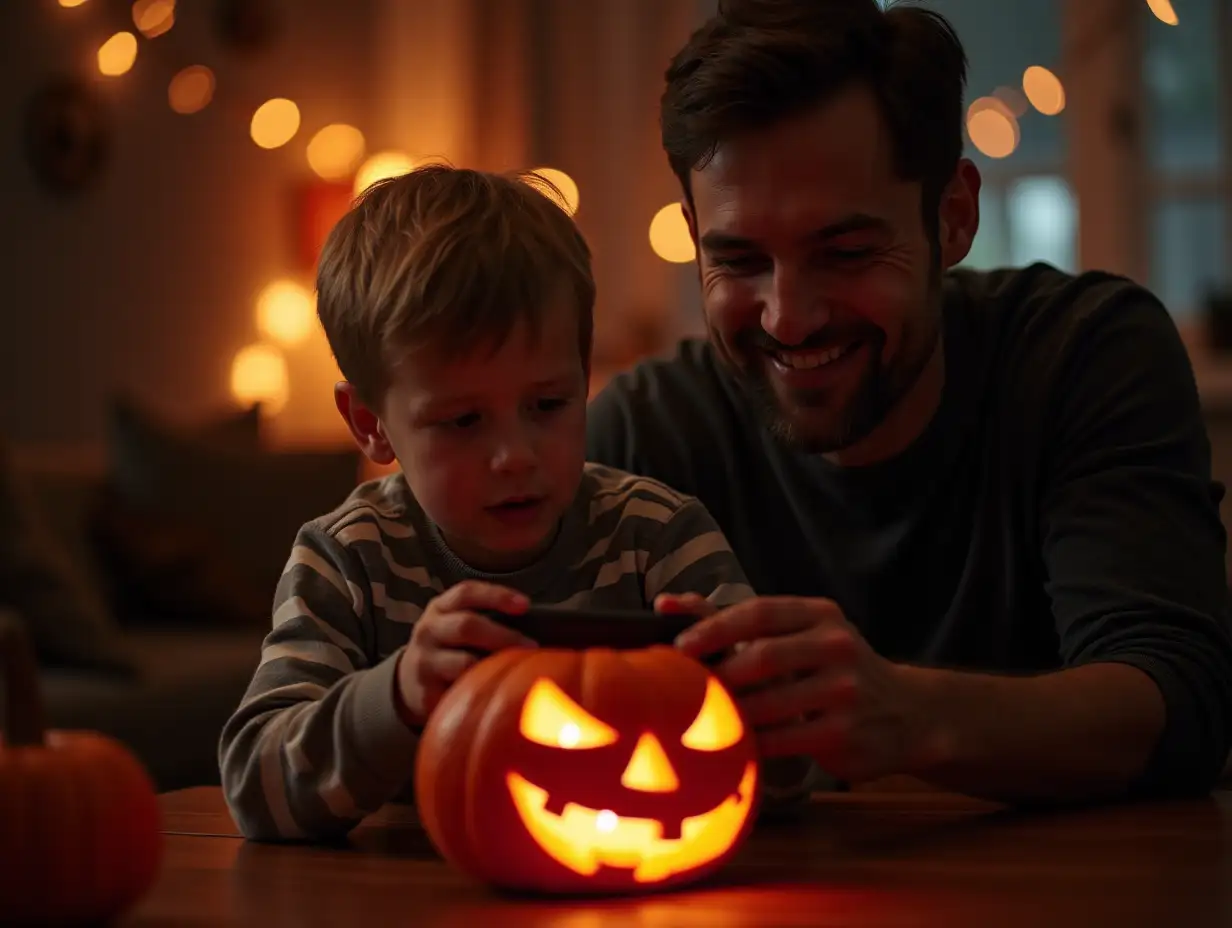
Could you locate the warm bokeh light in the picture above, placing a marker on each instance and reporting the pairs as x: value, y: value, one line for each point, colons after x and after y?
x: 259, y: 375
x: 566, y: 194
x: 1013, y: 99
x: 380, y: 166
x: 335, y: 151
x: 1163, y: 11
x: 1044, y: 90
x: 117, y: 54
x: 285, y: 312
x: 979, y: 104
x: 191, y: 90
x: 69, y: 4
x: 275, y: 123
x: 669, y: 235
x: 992, y: 128
x: 153, y: 17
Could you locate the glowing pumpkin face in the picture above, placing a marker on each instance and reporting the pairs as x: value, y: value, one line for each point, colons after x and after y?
x: 587, y: 771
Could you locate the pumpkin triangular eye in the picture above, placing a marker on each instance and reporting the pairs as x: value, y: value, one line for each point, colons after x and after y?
x: 718, y: 724
x: 552, y: 719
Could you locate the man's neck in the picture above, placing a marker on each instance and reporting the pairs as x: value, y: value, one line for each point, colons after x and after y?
x: 906, y: 421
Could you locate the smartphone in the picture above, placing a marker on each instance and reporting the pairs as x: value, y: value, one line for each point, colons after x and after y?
x: 558, y: 627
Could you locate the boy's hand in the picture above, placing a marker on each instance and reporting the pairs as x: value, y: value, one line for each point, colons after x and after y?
x: 449, y: 637
x: 684, y: 604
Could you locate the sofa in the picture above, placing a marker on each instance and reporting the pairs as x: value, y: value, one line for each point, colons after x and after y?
x: 144, y: 578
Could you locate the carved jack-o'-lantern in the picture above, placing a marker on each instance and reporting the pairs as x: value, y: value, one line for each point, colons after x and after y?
x: 577, y: 771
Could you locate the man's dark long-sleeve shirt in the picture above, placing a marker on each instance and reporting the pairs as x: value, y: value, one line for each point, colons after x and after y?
x: 1058, y: 510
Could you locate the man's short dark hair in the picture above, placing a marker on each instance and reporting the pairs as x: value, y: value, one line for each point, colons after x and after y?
x: 757, y: 62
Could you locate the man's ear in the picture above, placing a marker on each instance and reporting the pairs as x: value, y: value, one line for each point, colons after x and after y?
x: 959, y: 213
x: 364, y: 424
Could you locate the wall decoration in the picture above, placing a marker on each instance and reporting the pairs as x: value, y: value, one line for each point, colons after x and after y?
x: 67, y: 136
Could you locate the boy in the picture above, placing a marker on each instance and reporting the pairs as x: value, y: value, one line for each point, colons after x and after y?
x: 459, y: 307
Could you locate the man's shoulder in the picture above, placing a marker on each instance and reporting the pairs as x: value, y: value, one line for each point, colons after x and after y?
x: 1041, y: 305
x: 688, y: 375
x: 665, y: 414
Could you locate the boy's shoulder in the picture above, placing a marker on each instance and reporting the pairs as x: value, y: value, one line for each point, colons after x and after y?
x: 384, y: 502
x: 609, y: 488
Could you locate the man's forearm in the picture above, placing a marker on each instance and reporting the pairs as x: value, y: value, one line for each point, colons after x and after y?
x: 1078, y: 734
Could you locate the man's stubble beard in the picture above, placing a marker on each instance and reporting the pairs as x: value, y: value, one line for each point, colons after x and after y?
x: 878, y: 392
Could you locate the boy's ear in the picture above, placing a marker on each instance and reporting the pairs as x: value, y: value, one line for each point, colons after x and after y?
x: 363, y: 423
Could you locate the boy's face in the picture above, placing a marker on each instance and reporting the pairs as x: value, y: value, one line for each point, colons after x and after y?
x: 492, y: 442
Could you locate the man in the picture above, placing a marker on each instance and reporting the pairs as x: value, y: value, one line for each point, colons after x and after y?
x: 979, y: 506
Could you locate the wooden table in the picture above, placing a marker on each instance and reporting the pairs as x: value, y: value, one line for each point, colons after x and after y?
x: 860, y: 859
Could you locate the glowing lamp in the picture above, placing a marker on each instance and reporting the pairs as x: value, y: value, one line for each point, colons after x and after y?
x: 259, y: 375
x: 644, y: 778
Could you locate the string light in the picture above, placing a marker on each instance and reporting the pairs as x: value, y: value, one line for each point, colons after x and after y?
x: 285, y: 312
x: 566, y: 193
x: 275, y: 123
x: 1163, y: 11
x: 335, y: 150
x: 117, y: 54
x: 153, y: 17
x: 380, y: 166
x: 669, y: 235
x: 1044, y: 90
x: 992, y: 128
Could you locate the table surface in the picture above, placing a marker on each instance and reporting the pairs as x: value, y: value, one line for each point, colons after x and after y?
x: 861, y: 859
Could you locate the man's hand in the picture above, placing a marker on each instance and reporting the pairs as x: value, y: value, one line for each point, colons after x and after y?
x: 811, y: 685
x: 448, y: 639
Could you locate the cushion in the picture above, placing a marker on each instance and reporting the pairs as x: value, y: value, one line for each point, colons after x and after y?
x: 199, y: 526
x: 62, y: 604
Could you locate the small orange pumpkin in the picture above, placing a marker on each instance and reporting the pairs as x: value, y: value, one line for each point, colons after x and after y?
x: 587, y: 771
x: 80, y: 830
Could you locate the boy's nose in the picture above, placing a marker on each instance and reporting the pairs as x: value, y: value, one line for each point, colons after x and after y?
x: 513, y: 454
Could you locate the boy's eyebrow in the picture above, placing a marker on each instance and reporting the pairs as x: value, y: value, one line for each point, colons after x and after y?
x: 431, y: 403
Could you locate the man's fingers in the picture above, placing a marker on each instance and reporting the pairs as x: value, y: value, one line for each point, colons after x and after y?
x: 806, y: 653
x: 792, y: 701
x: 763, y: 617
x: 826, y: 738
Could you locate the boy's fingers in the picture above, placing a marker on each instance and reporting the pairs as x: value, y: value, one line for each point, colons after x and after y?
x: 476, y: 594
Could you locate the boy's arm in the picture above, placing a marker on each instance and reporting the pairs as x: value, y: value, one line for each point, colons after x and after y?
x: 690, y: 554
x: 317, y: 742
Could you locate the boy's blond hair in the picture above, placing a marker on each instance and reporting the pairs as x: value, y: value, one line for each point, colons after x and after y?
x: 448, y: 260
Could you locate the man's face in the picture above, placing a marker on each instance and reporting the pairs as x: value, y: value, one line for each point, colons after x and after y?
x: 493, y: 443
x: 819, y: 281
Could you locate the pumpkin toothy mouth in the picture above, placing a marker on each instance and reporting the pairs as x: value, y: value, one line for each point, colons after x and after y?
x: 585, y: 839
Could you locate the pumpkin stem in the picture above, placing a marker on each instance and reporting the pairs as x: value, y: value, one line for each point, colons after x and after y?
x: 23, y: 703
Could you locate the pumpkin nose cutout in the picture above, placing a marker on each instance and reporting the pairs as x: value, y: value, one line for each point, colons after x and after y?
x: 649, y: 770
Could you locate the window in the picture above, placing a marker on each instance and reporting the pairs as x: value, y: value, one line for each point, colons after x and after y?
x: 1027, y: 210
x: 1187, y: 154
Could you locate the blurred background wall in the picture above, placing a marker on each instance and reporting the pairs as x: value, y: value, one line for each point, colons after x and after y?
x: 147, y: 279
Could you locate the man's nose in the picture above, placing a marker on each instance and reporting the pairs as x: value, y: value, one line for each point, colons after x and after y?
x: 793, y: 307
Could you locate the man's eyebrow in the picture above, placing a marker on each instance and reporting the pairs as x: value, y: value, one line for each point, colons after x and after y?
x: 715, y: 240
